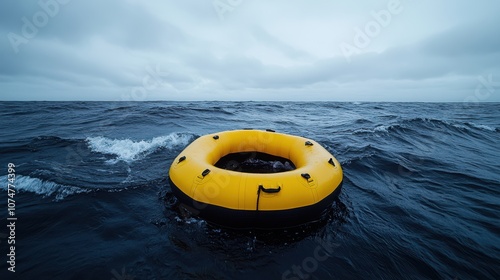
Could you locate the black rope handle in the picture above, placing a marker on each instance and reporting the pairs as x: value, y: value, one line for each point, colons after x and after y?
x: 261, y: 188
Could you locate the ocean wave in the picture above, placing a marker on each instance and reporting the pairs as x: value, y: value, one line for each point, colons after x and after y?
x: 426, y: 123
x: 41, y: 187
x: 35, y: 144
x: 481, y: 126
x: 382, y: 128
x: 437, y: 122
x: 379, y: 129
x: 128, y: 150
x: 48, y: 140
x: 119, y: 108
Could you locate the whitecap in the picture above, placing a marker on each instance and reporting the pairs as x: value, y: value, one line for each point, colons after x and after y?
x: 482, y: 126
x: 41, y: 187
x: 460, y: 126
x: 469, y: 125
x: 129, y: 150
x: 382, y: 128
x: 362, y: 130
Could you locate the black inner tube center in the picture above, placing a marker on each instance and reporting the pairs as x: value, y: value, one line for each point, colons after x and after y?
x: 255, y: 162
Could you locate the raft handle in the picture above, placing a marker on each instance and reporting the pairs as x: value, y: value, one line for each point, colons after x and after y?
x: 181, y: 159
x: 306, y: 176
x: 261, y: 188
x: 205, y: 172
x: 216, y: 137
x: 331, y: 162
x: 309, y: 143
x: 270, y: 130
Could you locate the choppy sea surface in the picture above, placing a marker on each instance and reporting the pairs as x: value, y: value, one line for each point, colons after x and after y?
x: 420, y: 199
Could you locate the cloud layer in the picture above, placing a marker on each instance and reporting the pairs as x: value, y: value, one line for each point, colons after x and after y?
x: 386, y: 50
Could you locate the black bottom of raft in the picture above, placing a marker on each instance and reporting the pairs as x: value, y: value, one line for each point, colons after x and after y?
x: 246, y: 219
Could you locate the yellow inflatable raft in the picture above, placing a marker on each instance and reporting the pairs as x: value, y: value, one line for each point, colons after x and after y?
x: 209, y: 181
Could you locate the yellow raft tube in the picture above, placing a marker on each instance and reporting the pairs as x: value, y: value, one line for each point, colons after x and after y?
x: 235, y: 199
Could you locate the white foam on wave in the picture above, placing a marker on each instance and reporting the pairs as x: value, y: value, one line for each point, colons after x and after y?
x: 41, y: 187
x: 382, y: 128
x: 483, y: 127
x: 467, y: 126
x: 128, y: 150
x: 189, y: 220
x: 460, y: 126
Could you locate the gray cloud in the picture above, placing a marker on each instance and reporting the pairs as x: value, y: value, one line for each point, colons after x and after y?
x: 478, y: 38
x: 262, y: 51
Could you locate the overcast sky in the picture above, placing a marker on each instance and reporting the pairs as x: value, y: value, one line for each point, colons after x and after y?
x: 385, y: 50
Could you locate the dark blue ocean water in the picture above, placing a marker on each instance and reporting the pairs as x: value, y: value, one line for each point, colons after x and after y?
x: 420, y: 200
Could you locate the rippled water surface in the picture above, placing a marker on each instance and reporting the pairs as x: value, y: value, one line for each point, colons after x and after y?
x: 421, y: 193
